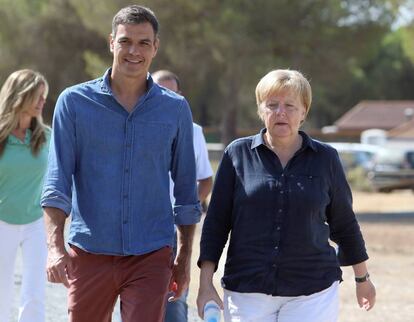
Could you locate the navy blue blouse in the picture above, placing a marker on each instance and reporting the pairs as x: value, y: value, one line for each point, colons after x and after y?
x: 280, y: 219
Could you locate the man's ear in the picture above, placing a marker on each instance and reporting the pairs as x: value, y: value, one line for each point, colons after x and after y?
x: 111, y: 43
x: 156, y: 46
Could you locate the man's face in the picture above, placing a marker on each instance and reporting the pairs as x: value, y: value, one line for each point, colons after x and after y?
x: 134, y: 46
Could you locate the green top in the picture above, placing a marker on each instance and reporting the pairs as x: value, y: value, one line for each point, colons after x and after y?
x: 21, y: 178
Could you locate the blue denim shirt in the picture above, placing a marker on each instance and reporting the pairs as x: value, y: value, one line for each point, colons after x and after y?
x: 280, y: 219
x: 109, y: 168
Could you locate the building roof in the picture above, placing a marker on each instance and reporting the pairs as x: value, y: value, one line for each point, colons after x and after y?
x: 376, y: 114
x: 403, y: 131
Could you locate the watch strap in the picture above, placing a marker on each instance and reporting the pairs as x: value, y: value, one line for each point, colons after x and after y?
x: 362, y: 279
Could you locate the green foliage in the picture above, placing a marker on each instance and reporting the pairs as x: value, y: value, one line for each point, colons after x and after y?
x: 358, y: 180
x: 48, y: 36
x: 220, y: 50
x: 95, y: 65
x: 407, y: 36
x: 388, y: 75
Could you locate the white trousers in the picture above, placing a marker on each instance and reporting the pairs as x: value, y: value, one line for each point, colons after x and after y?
x: 256, y: 307
x: 31, y: 238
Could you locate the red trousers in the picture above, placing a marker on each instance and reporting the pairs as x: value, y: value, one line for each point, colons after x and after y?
x: 140, y: 281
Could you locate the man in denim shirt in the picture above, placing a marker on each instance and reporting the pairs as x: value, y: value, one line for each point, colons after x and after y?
x: 115, y: 140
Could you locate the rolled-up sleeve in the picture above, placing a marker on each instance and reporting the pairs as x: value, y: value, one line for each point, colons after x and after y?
x: 345, y: 230
x: 187, y: 210
x: 57, y: 188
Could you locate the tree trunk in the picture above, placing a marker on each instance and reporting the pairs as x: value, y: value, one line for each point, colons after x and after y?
x: 228, y: 128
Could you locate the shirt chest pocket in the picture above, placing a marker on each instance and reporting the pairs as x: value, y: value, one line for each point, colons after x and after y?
x: 153, y: 137
x: 306, y: 192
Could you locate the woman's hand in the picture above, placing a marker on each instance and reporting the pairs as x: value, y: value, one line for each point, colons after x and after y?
x: 207, y: 293
x: 365, y: 293
x: 206, y: 290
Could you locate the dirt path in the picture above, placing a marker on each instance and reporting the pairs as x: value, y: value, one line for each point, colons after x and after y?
x: 391, y: 267
x: 390, y: 245
x: 387, y: 222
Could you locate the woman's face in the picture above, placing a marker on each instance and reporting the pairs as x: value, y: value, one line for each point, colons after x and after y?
x: 283, y: 114
x: 36, y: 106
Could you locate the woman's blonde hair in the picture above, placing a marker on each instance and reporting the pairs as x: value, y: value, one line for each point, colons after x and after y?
x: 17, y: 93
x: 281, y: 80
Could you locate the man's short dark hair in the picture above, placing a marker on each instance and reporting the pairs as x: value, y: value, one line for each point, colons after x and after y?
x: 135, y: 14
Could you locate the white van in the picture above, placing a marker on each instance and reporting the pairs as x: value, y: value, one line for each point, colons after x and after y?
x: 354, y: 155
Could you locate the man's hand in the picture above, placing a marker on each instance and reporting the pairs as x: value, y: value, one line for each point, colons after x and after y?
x: 180, y: 279
x: 57, y: 256
x: 56, y: 267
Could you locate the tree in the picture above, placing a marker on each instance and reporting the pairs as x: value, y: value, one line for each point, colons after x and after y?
x: 50, y: 37
x: 220, y: 49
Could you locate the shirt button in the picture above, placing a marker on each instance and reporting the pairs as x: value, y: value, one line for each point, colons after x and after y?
x: 281, y: 191
x: 276, y: 247
x: 278, y: 228
x: 274, y: 265
x: 125, y: 196
x: 280, y: 210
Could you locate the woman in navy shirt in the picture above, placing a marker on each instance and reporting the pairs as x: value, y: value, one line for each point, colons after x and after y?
x: 281, y: 196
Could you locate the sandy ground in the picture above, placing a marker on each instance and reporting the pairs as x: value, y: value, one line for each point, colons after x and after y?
x: 390, y: 246
x: 387, y: 221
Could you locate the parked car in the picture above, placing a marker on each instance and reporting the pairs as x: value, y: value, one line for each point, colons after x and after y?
x: 392, y: 169
x: 353, y: 155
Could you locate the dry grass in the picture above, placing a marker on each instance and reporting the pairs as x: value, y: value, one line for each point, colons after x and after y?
x: 391, y: 262
x: 397, y: 201
x: 390, y: 247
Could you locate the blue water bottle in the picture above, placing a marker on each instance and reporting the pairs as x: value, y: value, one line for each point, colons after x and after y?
x: 212, y: 312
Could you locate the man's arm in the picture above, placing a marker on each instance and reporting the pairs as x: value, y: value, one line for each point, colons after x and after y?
x: 183, y: 171
x: 187, y: 208
x: 203, y: 167
x: 182, y: 265
x: 57, y: 257
x: 204, y: 188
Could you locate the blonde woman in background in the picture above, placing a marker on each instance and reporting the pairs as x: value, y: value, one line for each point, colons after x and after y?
x: 24, y: 141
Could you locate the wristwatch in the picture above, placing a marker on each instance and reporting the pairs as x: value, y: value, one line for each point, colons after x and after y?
x: 362, y: 279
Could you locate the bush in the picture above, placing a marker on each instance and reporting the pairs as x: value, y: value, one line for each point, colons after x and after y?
x: 358, y: 179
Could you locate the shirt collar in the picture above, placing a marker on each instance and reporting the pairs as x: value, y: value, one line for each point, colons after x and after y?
x: 13, y: 140
x: 258, y: 139
x: 307, y: 141
x: 106, y: 83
